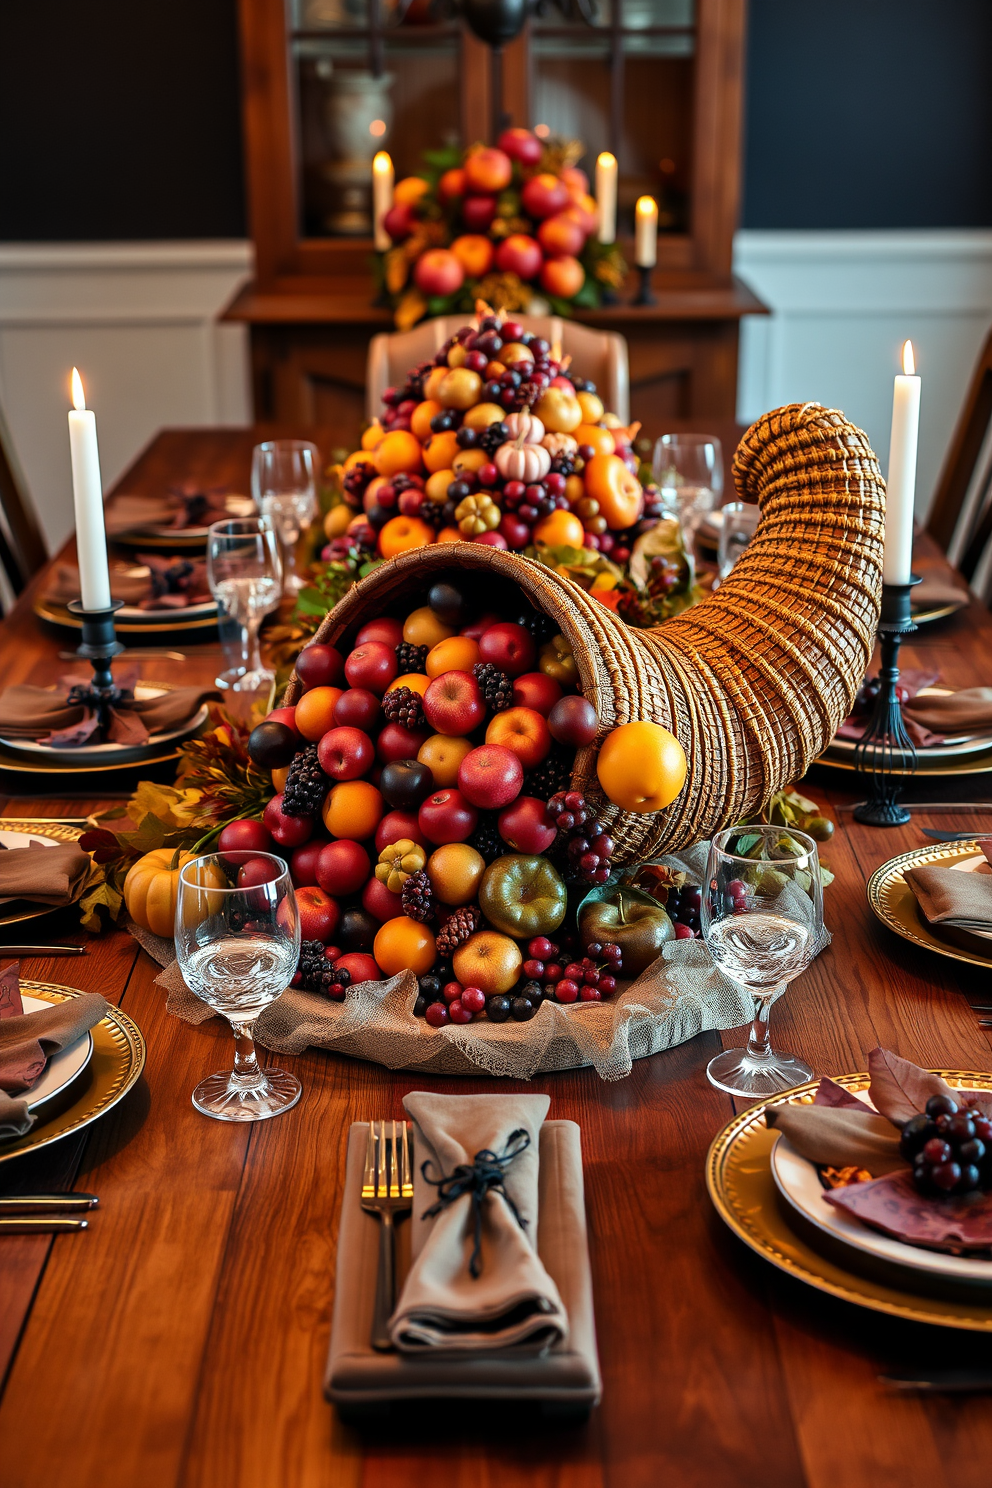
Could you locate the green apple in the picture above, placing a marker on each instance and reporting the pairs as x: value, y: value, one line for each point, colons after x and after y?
x: 639, y: 929
x: 523, y: 895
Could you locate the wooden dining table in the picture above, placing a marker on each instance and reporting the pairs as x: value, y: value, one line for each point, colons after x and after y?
x: 180, y: 1341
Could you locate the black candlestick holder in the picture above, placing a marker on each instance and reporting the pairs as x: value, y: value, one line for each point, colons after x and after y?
x: 885, y: 753
x: 99, y: 647
x: 645, y: 294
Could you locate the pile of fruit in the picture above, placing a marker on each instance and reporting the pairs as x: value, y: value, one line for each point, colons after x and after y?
x: 424, y: 805
x: 949, y: 1146
x: 502, y: 223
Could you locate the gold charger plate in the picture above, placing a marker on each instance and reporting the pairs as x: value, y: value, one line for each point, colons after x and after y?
x: 118, y: 1059
x: 893, y: 901
x: 58, y: 832
x: 150, y: 631
x: 16, y: 764
x: 979, y: 763
x: 740, y: 1184
x: 927, y: 614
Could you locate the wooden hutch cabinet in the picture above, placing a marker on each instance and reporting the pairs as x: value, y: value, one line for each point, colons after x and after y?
x: 327, y: 82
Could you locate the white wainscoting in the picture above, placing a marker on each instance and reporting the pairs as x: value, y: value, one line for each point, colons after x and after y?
x: 843, y: 303
x: 139, y: 320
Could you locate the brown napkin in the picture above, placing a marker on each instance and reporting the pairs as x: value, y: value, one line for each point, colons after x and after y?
x: 568, y: 1374
x: 512, y: 1305
x: 26, y: 1044
x: 45, y: 875
x: 937, y: 589
x: 35, y: 712
x: 948, y: 897
x: 953, y: 712
x: 189, y: 505
x: 168, y: 584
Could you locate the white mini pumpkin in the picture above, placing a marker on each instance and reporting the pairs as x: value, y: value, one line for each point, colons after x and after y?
x: 525, y: 426
x: 523, y: 462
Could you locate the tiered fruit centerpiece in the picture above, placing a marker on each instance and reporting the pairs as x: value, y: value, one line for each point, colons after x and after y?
x: 425, y: 807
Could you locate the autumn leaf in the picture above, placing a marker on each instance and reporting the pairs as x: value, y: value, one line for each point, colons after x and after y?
x: 900, y: 1089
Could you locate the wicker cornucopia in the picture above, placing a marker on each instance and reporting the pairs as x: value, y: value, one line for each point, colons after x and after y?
x: 755, y: 680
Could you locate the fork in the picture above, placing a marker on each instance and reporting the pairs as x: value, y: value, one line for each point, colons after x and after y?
x: 387, y: 1190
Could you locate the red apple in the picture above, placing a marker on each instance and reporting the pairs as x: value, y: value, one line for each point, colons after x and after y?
x: 521, y: 255
x: 397, y: 824
x: 319, y: 914
x: 343, y: 866
x: 357, y: 708
x: 487, y: 169
x: 453, y: 704
x: 510, y: 647
x: 559, y: 235
x: 480, y: 626
x: 320, y: 666
x: 523, y: 730
x: 399, y: 743
x: 573, y: 721
x: 286, y: 716
x: 379, y: 901
x: 287, y: 831
x: 521, y: 145
x: 360, y: 967
x: 478, y: 213
x: 544, y: 195
x: 491, y: 540
x: 524, y: 827
x: 373, y: 665
x: 490, y: 776
x: 345, y: 753
x: 245, y: 836
x: 516, y: 533
x: 303, y: 862
x: 257, y: 871
x: 535, y: 690
x: 446, y: 816
x: 399, y: 221
x: 438, y: 272
x: 390, y: 632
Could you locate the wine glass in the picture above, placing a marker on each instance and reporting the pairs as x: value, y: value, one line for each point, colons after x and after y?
x: 284, y: 488
x: 737, y: 527
x: 761, y: 916
x: 238, y: 943
x: 244, y: 572
x: 689, y: 470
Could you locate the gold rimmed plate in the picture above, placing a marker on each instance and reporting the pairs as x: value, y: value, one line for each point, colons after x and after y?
x: 150, y: 625
x: 979, y: 763
x: 116, y: 1063
x: 893, y: 901
x: 53, y: 770
x: 17, y: 834
x: 740, y: 1184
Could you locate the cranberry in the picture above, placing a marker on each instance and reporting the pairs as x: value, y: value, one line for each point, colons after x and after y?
x: 534, y: 493
x: 590, y: 994
x: 554, y: 483
x: 590, y: 977
x: 533, y: 968
x: 574, y: 971
x: 514, y: 490
x: 458, y: 1012
x: 436, y: 1014
x: 589, y: 862
x: 477, y: 361
x: 336, y: 991
x: 488, y: 475
x: 936, y: 1151
x: 607, y: 985
x: 541, y: 947
x: 474, y: 999
x: 553, y: 973
x: 450, y: 991
x: 946, y: 1176
x: 567, y: 990
x: 410, y: 502
x: 528, y: 513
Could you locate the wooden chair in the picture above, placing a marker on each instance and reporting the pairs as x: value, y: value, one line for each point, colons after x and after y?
x: 600, y: 356
x: 22, y: 547
x: 961, y: 516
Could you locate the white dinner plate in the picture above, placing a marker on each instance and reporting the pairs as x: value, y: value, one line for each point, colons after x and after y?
x: 62, y: 1068
x: 101, y: 754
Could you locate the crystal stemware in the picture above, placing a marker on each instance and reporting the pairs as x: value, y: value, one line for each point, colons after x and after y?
x: 761, y: 916
x: 245, y: 576
x: 737, y: 527
x: 689, y: 470
x: 284, y: 488
x: 238, y: 943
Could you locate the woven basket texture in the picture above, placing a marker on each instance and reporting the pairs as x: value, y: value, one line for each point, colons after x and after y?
x: 754, y: 680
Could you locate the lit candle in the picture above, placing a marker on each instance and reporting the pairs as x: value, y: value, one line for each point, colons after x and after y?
x: 606, y: 196
x: 900, y: 487
x: 87, y: 495
x: 382, y: 198
x: 646, y: 243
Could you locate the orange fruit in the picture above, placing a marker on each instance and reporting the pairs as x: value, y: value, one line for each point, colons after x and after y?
x: 455, y: 872
x: 487, y: 960
x: 358, y: 457
x: 600, y: 439
x: 440, y: 451
x: 442, y: 754
x: 423, y: 628
x: 482, y: 415
x: 279, y: 776
x: 404, y: 944
x: 460, y: 388
x: 433, y: 381
x: 457, y: 654
x: 592, y: 408
x: 373, y: 435
x: 450, y: 534
x: 470, y: 460
x: 561, y: 530
x: 641, y: 766
x: 409, y: 190
x: 401, y: 533
x: 437, y: 485
x: 617, y: 489
x: 420, y: 419
x: 415, y: 680
x: 354, y: 808
x: 475, y: 254
x: 315, y: 713
x: 398, y: 451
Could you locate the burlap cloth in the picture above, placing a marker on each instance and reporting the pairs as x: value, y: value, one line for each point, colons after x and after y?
x: 680, y: 995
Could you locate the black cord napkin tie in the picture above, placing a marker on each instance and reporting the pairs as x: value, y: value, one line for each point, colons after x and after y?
x: 486, y: 1174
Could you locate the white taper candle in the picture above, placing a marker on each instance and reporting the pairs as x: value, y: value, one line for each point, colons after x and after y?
x: 901, y: 484
x: 606, y: 196
x: 87, y: 495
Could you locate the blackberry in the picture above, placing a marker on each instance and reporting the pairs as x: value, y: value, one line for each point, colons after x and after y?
x: 528, y: 393
x: 432, y: 512
x: 551, y: 776
x: 497, y: 689
x: 315, y: 972
x: 491, y: 438
x: 306, y: 785
x: 457, y: 928
x: 563, y: 464
x: 411, y: 658
x: 418, y: 897
x: 540, y: 625
x: 486, y: 839
x: 404, y: 706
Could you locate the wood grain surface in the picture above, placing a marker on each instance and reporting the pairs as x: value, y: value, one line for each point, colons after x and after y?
x: 180, y: 1341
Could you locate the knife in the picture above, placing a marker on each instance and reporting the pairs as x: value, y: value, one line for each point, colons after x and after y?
x: 942, y: 1382
x: 52, y: 950
x: 953, y: 836
x: 41, y: 1224
x: 54, y: 1203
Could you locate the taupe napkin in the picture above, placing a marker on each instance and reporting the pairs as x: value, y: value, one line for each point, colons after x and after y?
x: 45, y: 875
x: 189, y: 505
x: 937, y: 589
x: 952, y: 712
x: 948, y: 897
x: 512, y: 1305
x: 158, y: 584
x: 841, y: 1138
x: 28, y: 1041
x: 35, y: 712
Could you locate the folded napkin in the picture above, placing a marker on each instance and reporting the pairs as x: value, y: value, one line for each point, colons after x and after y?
x: 477, y: 1283
x: 188, y: 505
x: 838, y: 1130
x: 948, y: 897
x: 64, y: 718
x: 930, y: 719
x: 27, y: 1042
x: 567, y: 1375
x: 938, y: 589
x: 45, y: 875
x: 159, y: 584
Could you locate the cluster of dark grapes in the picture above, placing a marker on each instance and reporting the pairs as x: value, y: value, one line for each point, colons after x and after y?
x: 316, y: 971
x: 586, y: 980
x: 588, y: 846
x: 950, y: 1147
x: 547, y: 975
x: 683, y: 907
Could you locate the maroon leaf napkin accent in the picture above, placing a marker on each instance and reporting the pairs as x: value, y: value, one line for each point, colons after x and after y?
x: 895, y: 1206
x: 171, y: 583
x: 186, y: 505
x: 900, y: 1089
x: 11, y: 1005
x: 913, y: 680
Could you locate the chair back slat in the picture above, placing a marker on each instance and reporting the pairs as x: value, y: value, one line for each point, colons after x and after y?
x: 22, y: 547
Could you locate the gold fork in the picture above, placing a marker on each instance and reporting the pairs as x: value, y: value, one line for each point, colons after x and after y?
x: 387, y: 1190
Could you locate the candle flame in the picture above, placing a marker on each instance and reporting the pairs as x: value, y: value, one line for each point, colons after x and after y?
x: 908, y: 360
x: 78, y: 398
x: 381, y: 163
x: 607, y: 161
x: 646, y: 206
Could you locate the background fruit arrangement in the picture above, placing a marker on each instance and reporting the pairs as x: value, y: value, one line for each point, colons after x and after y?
x: 503, y: 223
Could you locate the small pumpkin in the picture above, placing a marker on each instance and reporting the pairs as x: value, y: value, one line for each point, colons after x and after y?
x: 525, y: 426
x: 521, y: 460
x: 560, y: 444
x: 152, y: 887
